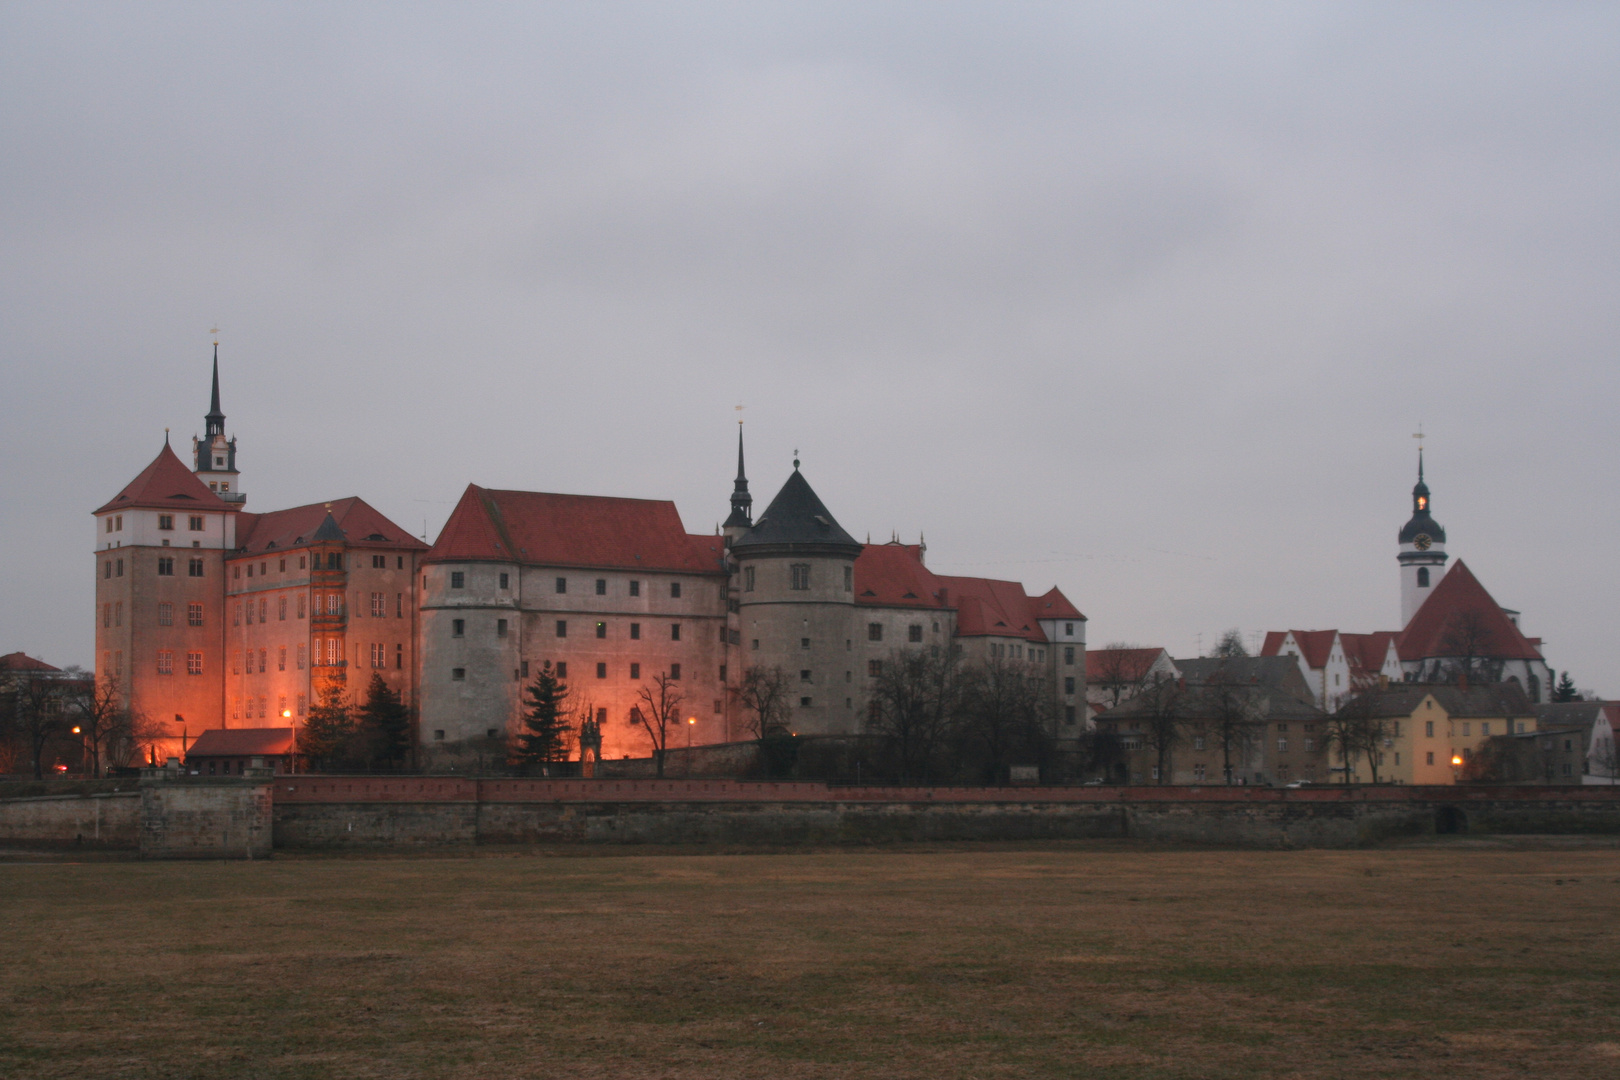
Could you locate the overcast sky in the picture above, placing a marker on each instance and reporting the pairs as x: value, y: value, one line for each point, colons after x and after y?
x: 1144, y: 301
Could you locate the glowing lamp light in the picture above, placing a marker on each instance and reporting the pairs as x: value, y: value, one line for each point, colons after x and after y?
x: 61, y: 768
x: 1423, y: 502
x: 1456, y: 759
x: 691, y: 719
x: 76, y: 729
x: 285, y: 713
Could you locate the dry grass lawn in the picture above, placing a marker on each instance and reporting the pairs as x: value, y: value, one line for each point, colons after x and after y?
x: 1095, y: 961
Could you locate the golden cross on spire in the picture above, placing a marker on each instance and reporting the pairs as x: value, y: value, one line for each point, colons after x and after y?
x: 739, y: 409
x: 1418, y: 435
x: 214, y: 330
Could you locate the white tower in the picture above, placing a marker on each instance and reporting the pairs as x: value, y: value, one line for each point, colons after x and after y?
x: 1423, y: 551
x: 213, y: 455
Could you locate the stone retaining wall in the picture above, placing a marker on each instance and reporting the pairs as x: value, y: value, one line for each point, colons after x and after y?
x: 100, y: 820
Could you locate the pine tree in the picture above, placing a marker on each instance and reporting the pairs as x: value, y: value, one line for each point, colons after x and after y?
x: 384, y: 724
x: 1565, y: 690
x: 545, y: 720
x: 325, y: 739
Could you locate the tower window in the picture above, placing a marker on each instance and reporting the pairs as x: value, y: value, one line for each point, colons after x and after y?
x: 562, y: 585
x: 506, y: 581
x: 874, y: 631
x: 601, y: 629
x: 800, y: 574
x: 166, y: 522
x: 165, y: 567
x: 458, y: 627
x: 601, y: 586
x: 849, y: 579
x: 635, y: 671
x: 674, y: 631
x: 675, y: 590
x: 1423, y: 577
x: 674, y: 671
x: 196, y: 523
x: 748, y: 579
x: 562, y: 627
x: 458, y: 579
x: 914, y: 632
x: 635, y: 631
x: 635, y: 588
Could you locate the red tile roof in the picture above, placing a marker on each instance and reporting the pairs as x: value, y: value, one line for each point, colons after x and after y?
x: 543, y: 529
x: 241, y: 742
x: 986, y: 607
x: 1314, y: 645
x: 294, y: 527
x: 1366, y: 652
x: 1460, y: 597
x: 893, y: 575
x: 1124, y: 665
x: 1054, y: 605
x: 167, y: 484
x: 18, y: 661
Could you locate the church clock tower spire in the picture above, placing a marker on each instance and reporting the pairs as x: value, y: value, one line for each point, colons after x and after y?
x: 1422, y: 554
x: 213, y: 455
x: 742, y: 503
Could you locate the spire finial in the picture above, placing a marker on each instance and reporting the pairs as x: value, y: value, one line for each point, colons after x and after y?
x: 165, y: 436
x: 1418, y: 435
x: 795, y: 459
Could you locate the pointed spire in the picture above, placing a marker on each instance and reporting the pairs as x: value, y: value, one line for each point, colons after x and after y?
x: 215, y: 418
x: 742, y: 503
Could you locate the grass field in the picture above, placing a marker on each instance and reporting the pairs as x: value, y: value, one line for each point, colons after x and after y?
x: 1098, y: 961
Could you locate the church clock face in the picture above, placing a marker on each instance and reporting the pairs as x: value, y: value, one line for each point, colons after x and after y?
x: 1422, y: 542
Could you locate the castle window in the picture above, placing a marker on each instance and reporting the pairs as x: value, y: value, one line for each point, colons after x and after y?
x: 118, y: 525
x: 874, y: 631
x: 748, y: 579
x: 438, y: 733
x: 458, y: 627
x: 299, y: 660
x: 635, y: 631
x: 301, y: 704
x: 166, y: 566
x: 119, y: 572
x: 635, y: 671
x: 635, y: 588
x: 399, y: 605
x: 281, y: 658
x: 1068, y: 715
x: 601, y: 629
x: 300, y: 605
x: 849, y: 579
x: 301, y: 560
x: 500, y: 627
x: 1423, y: 577
x: 283, y: 567
x: 262, y: 664
x: 109, y: 524
x: 804, y: 643
x: 193, y: 663
x: 196, y: 523
x: 562, y: 669
x: 165, y: 662
x: 675, y: 590
x: 165, y: 614
x: 106, y: 570
x: 804, y: 676
x: 874, y: 668
x: 379, y: 562
x: 914, y: 632
x: 562, y: 585
x: 106, y: 615
x: 756, y: 643
x: 458, y: 579
x: 1068, y: 684
x: 281, y: 609
x: 334, y: 561
x: 506, y: 580
x: 601, y: 586
x: 194, y: 568
x: 722, y: 673
x: 800, y: 576
x: 601, y: 671
x: 674, y: 671
x: 1068, y: 654
x: 674, y: 631
x: 562, y: 627
x: 379, y: 605
x: 166, y: 522
x: 399, y: 659
x: 804, y: 702
x: 457, y: 674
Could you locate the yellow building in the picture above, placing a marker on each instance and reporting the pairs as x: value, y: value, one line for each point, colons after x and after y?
x: 1429, y: 734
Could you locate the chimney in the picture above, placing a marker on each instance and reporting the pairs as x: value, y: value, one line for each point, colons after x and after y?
x: 1383, y: 682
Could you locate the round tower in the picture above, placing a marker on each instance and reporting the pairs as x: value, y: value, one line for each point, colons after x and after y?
x: 1422, y: 554
x: 796, y: 592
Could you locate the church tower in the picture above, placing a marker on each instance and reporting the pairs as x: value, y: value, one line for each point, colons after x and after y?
x: 1422, y: 551
x: 742, y: 503
x: 214, y: 456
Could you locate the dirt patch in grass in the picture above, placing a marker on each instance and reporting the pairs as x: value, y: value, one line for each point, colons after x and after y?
x: 1007, y: 963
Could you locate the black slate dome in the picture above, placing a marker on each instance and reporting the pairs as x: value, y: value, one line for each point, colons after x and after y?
x: 1421, y: 524
x: 796, y: 522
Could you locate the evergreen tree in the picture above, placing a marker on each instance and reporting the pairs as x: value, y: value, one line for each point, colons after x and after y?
x: 325, y: 739
x: 545, y: 720
x: 384, y: 724
x: 1565, y: 690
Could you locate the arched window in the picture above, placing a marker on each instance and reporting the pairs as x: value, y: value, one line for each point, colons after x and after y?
x: 1423, y: 577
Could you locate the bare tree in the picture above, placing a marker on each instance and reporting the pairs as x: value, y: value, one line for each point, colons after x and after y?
x: 1229, y: 706
x: 1355, y: 729
x: 1230, y: 645
x: 98, y: 711
x: 914, y: 700
x: 1163, y: 707
x: 1005, y: 714
x: 763, y: 692
x: 37, y: 718
x: 1117, y: 670
x: 1470, y: 641
x: 662, y: 713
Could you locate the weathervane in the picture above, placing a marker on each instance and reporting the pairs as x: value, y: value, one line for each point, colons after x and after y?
x: 795, y: 457
x: 214, y: 330
x: 739, y: 409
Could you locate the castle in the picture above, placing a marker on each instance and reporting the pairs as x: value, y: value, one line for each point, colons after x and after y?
x: 211, y: 616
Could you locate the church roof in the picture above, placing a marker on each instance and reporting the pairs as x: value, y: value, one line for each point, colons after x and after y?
x: 1366, y: 652
x: 797, y: 519
x: 543, y: 529
x: 358, y: 523
x: 1459, y: 609
x: 166, y: 484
